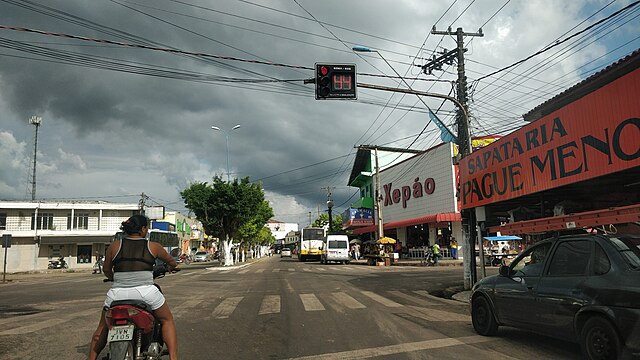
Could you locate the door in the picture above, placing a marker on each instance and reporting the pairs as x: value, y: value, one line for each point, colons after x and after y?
x: 515, y: 296
x: 561, y: 289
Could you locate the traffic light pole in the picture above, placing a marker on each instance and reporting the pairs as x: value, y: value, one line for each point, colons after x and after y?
x: 464, y: 145
x: 462, y: 109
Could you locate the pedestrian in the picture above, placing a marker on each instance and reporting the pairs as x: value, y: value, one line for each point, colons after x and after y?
x: 356, y: 251
x: 129, y: 264
x: 436, y: 252
x: 454, y: 248
x: 352, y: 251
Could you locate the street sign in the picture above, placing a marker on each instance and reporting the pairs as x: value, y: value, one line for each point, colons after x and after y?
x: 6, y: 240
x: 335, y: 81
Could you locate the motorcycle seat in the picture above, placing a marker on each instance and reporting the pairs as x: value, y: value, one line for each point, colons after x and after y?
x: 136, y: 303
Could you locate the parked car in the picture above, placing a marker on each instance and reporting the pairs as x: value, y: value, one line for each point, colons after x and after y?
x: 285, y: 252
x: 581, y: 288
x: 202, y: 256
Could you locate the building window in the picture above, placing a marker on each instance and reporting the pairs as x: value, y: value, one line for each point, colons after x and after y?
x: 84, y: 254
x: 3, y: 221
x: 80, y: 221
x: 43, y: 222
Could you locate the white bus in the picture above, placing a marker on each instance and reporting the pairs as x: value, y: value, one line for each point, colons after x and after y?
x: 310, y: 243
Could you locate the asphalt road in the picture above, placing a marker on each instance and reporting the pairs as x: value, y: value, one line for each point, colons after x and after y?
x: 273, y: 308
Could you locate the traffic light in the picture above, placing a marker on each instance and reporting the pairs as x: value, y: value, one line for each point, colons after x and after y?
x: 335, y: 81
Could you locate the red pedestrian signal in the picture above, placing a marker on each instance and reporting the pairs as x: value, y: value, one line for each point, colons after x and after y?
x: 336, y: 81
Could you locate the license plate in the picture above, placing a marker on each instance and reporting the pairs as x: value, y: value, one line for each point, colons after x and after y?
x: 121, y: 333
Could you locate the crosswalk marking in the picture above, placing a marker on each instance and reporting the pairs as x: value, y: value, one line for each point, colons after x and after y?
x: 382, y: 300
x: 270, y: 305
x: 306, y: 269
x: 276, y: 270
x: 438, y: 315
x: 347, y: 301
x: 390, y: 350
x: 226, y: 307
x: 291, y: 269
x: 26, y: 329
x: 184, y: 308
x: 431, y: 297
x: 416, y: 300
x: 311, y: 302
x: 243, y: 271
x: 260, y: 271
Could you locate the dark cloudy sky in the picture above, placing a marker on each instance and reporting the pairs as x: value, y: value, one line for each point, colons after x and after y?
x: 119, y: 121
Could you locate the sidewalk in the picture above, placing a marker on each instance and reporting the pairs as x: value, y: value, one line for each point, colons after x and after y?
x: 414, y: 262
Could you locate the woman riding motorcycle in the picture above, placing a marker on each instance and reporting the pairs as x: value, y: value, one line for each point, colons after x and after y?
x: 129, y: 264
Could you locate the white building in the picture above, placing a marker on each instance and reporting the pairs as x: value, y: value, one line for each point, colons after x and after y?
x: 419, y: 204
x: 280, y: 229
x: 46, y: 230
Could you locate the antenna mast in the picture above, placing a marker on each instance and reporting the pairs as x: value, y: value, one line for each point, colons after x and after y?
x: 36, y: 121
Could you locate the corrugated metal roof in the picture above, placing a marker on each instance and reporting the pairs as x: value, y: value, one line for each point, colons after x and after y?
x: 619, y: 68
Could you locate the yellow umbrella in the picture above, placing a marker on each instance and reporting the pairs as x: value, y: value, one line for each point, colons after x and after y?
x: 386, y: 240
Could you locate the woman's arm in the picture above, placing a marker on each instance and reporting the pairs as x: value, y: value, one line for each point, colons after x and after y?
x: 162, y: 254
x: 107, y: 267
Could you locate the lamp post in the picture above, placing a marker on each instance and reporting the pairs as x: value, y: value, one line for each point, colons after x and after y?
x: 226, y: 136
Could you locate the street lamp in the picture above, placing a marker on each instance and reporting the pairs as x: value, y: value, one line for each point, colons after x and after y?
x: 226, y: 136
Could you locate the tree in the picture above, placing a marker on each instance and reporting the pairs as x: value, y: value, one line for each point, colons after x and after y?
x: 250, y: 232
x: 224, y: 207
x: 323, y: 221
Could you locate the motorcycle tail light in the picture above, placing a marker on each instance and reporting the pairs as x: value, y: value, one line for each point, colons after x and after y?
x: 121, y: 322
x: 133, y: 311
x: 118, y: 313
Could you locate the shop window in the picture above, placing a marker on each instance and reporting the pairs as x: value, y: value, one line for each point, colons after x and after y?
x: 84, y: 254
x: 3, y: 221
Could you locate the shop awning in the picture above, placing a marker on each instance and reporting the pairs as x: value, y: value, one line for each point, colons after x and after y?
x: 428, y: 219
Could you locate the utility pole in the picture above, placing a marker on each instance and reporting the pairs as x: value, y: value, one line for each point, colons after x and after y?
x: 141, y: 202
x: 464, y: 149
x: 329, y: 207
x: 35, y: 121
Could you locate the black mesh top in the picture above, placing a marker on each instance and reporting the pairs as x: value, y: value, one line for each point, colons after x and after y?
x: 133, y: 255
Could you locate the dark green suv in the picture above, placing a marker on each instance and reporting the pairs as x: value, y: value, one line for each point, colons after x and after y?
x: 581, y: 288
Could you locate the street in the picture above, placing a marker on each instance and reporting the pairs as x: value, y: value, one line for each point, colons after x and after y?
x: 273, y: 308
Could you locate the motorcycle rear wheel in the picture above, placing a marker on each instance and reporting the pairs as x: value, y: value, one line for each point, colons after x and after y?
x: 121, y: 350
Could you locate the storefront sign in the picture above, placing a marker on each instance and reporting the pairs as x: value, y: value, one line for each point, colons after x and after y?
x: 405, y: 193
x: 595, y: 135
x: 357, y: 217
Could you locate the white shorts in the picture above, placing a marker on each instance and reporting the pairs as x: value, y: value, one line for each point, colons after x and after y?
x: 149, y: 294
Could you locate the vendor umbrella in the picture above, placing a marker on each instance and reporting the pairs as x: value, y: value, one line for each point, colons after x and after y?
x: 386, y: 240
x: 353, y: 241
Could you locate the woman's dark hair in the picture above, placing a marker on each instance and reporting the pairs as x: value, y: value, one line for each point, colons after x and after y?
x: 134, y: 224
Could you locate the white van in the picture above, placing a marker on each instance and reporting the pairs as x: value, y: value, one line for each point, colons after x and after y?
x: 335, y: 248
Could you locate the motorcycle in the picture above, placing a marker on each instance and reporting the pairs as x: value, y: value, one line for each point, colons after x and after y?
x: 185, y: 259
x: 134, y: 333
x: 57, y: 264
x: 97, y: 267
x: 429, y: 259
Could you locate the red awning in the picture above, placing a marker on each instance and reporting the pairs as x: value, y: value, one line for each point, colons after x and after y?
x: 428, y: 219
